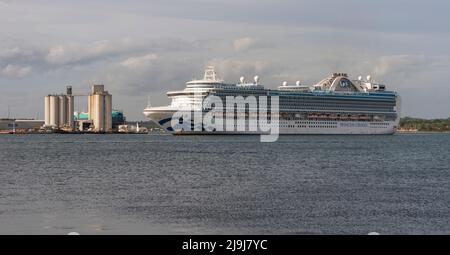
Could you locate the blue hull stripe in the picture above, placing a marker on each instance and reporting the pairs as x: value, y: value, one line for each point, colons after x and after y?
x: 164, y: 121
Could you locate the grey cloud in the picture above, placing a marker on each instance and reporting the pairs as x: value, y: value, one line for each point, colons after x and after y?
x: 243, y: 43
x: 404, y: 65
x: 405, y: 71
x: 232, y: 69
x: 75, y: 53
x: 13, y: 71
x: 139, y: 75
x: 15, y: 52
x: 247, y: 43
x: 140, y: 62
x: 19, y: 61
x: 382, y: 15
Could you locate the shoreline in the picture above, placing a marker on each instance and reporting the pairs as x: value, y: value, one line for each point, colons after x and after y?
x: 77, y: 133
x: 423, y: 132
x: 150, y: 133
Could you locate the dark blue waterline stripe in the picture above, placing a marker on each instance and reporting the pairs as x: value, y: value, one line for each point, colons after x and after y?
x: 164, y: 121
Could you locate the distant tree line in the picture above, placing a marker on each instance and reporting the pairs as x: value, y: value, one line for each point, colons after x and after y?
x: 406, y: 123
x: 425, y: 125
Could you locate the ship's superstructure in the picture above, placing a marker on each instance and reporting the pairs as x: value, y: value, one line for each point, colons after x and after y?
x: 335, y: 105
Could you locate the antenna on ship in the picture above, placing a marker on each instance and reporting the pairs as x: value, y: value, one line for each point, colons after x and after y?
x: 148, y: 102
x: 210, y: 74
x: 256, y: 78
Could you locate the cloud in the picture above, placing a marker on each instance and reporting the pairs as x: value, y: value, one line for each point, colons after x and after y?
x: 404, y: 65
x: 232, y: 69
x: 15, y: 72
x: 244, y: 43
x: 18, y: 58
x: 15, y: 52
x: 76, y: 53
x: 139, y: 75
x: 139, y: 62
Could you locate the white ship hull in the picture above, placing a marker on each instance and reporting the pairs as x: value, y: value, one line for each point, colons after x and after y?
x: 294, y: 127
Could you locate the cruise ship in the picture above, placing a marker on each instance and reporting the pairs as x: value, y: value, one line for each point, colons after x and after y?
x: 335, y: 105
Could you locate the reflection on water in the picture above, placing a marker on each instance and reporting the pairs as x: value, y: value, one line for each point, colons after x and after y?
x: 161, y: 184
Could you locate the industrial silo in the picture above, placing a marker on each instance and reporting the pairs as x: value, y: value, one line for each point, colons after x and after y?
x: 108, y: 112
x: 62, y: 110
x: 59, y: 110
x: 47, y: 111
x: 99, y: 120
x: 54, y: 111
x: 100, y: 109
x: 70, y: 110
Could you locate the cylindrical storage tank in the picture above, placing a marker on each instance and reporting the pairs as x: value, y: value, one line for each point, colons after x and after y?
x: 47, y: 110
x: 70, y: 110
x: 99, y: 106
x: 62, y: 110
x: 108, y: 112
x: 91, y: 107
x: 54, y: 111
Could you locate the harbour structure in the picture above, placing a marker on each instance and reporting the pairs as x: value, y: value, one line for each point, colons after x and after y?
x: 118, y: 118
x: 80, y: 116
x: 132, y: 129
x: 100, y: 109
x: 19, y: 125
x: 84, y: 123
x: 59, y: 110
x: 335, y: 105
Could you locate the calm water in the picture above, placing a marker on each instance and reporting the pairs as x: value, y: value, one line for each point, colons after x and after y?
x: 161, y: 184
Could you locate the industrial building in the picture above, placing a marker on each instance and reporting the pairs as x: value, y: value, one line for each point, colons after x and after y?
x: 84, y: 122
x: 117, y: 119
x: 60, y: 115
x: 100, y: 109
x: 19, y: 125
x: 59, y: 110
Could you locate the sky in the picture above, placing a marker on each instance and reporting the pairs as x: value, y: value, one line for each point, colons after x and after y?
x: 141, y: 49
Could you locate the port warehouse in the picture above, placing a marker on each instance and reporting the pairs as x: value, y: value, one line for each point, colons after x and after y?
x: 20, y: 124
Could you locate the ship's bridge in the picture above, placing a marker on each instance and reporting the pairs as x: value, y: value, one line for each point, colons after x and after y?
x: 210, y: 80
